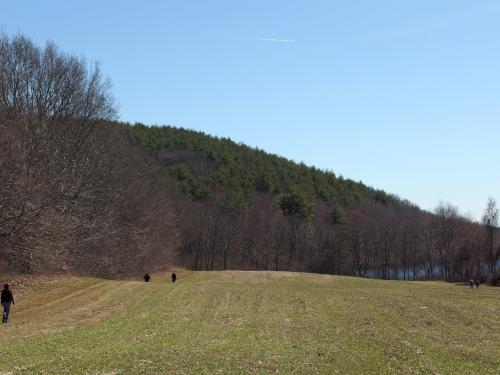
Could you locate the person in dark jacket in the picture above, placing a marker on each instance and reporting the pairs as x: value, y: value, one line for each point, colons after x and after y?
x: 471, y: 283
x: 174, y: 277
x: 478, y: 283
x: 147, y: 277
x: 7, y: 300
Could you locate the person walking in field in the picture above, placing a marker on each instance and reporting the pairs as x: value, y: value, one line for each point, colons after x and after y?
x: 471, y: 283
x: 147, y: 277
x: 478, y: 283
x: 7, y: 300
x: 174, y: 277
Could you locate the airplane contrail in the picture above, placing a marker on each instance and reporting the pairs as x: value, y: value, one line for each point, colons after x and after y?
x: 256, y: 38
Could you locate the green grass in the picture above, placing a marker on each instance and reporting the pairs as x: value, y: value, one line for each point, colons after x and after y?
x: 253, y: 322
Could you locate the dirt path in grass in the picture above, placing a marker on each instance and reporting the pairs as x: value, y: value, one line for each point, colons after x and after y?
x: 62, y: 299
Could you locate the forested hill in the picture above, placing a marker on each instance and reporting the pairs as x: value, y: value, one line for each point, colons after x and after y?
x: 200, y: 162
x: 82, y: 192
x: 244, y: 208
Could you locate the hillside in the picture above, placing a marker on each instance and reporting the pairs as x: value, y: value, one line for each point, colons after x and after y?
x: 249, y: 209
x: 199, y: 162
x: 252, y: 322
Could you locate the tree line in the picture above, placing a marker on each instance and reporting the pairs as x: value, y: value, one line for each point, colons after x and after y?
x: 372, y: 241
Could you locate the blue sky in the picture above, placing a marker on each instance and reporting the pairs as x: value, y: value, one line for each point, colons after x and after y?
x: 403, y: 95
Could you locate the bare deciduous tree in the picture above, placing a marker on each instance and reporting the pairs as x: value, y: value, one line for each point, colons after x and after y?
x: 490, y: 220
x: 47, y: 84
x: 71, y: 191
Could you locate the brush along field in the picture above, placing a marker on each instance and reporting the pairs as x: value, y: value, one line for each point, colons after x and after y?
x: 252, y: 323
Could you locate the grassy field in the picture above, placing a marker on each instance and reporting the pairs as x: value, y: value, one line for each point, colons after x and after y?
x: 252, y: 322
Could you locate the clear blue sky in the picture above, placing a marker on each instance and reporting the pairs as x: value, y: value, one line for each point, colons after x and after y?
x: 403, y: 95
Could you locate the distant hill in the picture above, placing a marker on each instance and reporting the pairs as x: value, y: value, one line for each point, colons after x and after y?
x: 199, y: 162
x: 249, y: 209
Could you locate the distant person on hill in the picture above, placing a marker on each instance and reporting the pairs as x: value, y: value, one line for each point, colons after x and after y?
x: 471, y: 283
x: 174, y: 277
x: 7, y: 299
x: 478, y: 283
x: 147, y: 277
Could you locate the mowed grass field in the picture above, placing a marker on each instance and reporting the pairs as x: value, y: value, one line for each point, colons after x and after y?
x: 252, y: 322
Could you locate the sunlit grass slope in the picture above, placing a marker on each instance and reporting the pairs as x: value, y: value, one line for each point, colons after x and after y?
x: 253, y: 322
